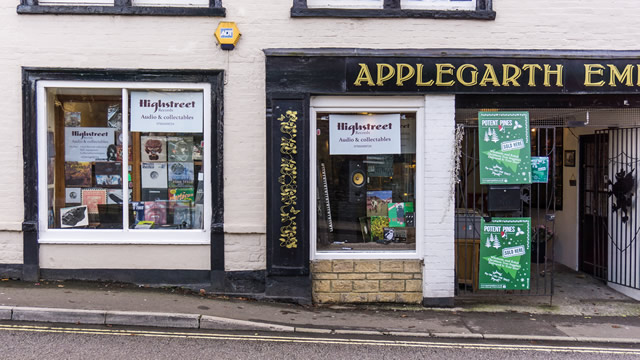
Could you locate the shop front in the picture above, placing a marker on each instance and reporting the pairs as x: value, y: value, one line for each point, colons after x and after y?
x: 376, y: 190
x: 123, y: 174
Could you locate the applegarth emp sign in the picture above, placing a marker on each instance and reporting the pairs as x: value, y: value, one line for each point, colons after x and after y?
x: 364, y: 134
x: 154, y: 111
x: 494, y: 75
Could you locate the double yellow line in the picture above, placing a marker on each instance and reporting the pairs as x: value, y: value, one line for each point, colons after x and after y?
x: 319, y: 340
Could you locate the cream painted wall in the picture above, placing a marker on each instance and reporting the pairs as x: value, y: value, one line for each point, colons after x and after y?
x: 188, y: 42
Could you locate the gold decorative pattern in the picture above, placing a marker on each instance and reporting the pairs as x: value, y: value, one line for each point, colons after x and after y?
x: 288, y: 180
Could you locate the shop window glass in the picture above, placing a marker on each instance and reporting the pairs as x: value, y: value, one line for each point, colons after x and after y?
x: 365, y: 186
x: 349, y: 4
x: 101, y: 173
x: 439, y: 4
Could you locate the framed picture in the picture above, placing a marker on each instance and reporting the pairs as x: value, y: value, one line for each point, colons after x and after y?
x: 570, y: 158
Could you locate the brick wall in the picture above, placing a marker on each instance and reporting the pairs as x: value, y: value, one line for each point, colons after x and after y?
x: 367, y: 281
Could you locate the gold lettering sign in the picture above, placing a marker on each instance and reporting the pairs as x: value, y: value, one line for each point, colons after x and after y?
x: 489, y: 75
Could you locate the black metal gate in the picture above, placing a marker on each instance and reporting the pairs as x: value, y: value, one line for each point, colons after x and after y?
x: 538, y: 201
x: 609, y: 235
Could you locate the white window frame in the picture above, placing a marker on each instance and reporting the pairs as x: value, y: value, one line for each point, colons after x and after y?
x: 125, y: 235
x: 374, y: 104
x: 171, y: 3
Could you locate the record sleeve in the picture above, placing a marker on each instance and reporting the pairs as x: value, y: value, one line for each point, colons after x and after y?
x: 180, y: 174
x: 154, y: 175
x: 92, y: 197
x: 155, y: 211
x: 153, y: 148
x: 179, y: 148
x: 181, y: 194
x: 73, y: 195
x: 77, y: 173
x: 150, y: 194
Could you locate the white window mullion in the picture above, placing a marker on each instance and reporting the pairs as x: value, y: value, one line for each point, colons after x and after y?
x: 346, y: 4
x: 125, y: 159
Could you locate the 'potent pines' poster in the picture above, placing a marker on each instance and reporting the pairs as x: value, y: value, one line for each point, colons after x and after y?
x: 505, y: 149
x: 505, y: 254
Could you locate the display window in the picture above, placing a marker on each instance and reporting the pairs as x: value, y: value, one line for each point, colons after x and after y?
x: 123, y: 160
x: 366, y: 189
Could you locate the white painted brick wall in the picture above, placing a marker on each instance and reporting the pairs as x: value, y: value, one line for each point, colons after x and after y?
x: 439, y: 136
x: 188, y: 42
x: 10, y: 247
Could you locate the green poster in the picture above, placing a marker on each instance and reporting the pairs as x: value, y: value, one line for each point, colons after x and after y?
x: 505, y: 149
x: 539, y: 169
x: 505, y: 254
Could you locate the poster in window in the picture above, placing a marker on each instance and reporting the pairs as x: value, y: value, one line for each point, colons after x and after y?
x: 157, y: 111
x: 74, y: 216
x: 180, y: 174
x: 92, y: 198
x: 179, y: 148
x: 505, y: 254
x: 505, y: 147
x: 364, y: 134
x: 89, y: 144
x: 539, y: 169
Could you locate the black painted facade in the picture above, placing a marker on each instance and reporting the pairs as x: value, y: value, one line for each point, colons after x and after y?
x: 294, y: 75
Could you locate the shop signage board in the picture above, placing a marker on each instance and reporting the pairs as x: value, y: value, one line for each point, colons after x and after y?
x: 505, y: 149
x: 176, y: 112
x: 505, y: 254
x: 539, y: 169
x: 89, y: 144
x: 364, y: 134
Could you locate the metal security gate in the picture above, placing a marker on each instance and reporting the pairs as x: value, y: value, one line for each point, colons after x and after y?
x: 538, y: 201
x: 609, y: 242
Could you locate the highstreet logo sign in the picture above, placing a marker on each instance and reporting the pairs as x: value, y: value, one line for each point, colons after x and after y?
x: 364, y: 134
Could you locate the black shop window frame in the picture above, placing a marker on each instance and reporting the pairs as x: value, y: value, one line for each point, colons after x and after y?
x: 121, y: 7
x: 393, y: 9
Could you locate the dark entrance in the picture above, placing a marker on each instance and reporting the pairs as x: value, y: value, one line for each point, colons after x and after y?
x: 538, y: 201
x: 593, y: 215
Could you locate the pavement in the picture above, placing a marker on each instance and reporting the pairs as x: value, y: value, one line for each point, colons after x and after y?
x: 612, y: 319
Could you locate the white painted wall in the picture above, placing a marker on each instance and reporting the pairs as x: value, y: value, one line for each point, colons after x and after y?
x: 439, y: 141
x: 188, y: 42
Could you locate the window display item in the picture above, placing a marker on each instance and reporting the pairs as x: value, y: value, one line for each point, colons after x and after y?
x: 114, y: 116
x: 180, y: 148
x: 137, y: 208
x: 182, y: 213
x: 150, y: 194
x: 180, y: 174
x: 72, y: 118
x: 377, y: 202
x: 397, y: 213
x: 155, y: 211
x: 197, y: 150
x: 378, y: 223
x: 77, y: 173
x: 153, y: 148
x: 198, y: 216
x: 74, y: 216
x: 72, y: 196
x: 92, y: 198
x: 154, y: 175
x: 181, y: 194
x: 410, y: 219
